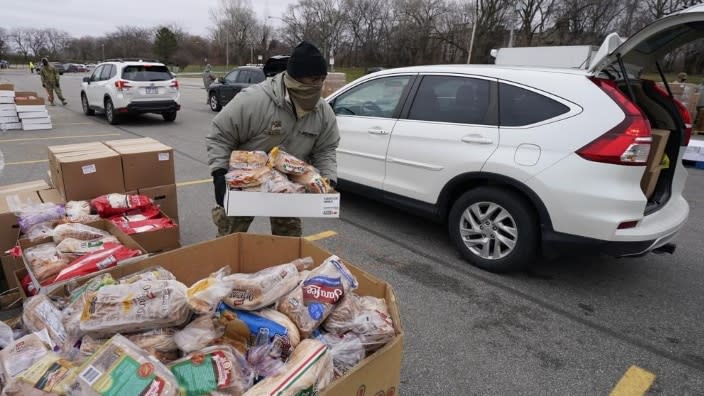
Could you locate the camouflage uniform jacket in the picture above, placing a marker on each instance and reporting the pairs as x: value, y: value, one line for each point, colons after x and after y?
x: 261, y: 117
x: 49, y: 75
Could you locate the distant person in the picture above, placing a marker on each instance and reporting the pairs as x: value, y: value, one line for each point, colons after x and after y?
x: 50, y: 82
x: 682, y: 78
x: 31, y: 67
x: 208, y: 76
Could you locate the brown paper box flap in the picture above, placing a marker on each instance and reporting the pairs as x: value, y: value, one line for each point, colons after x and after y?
x: 33, y: 185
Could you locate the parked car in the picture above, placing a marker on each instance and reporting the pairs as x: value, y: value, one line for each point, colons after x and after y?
x: 57, y: 65
x: 131, y: 87
x: 221, y: 92
x: 521, y: 162
x: 4, y: 64
x: 75, y: 68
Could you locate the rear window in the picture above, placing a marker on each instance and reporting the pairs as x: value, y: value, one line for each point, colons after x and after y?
x: 518, y: 106
x: 146, y: 73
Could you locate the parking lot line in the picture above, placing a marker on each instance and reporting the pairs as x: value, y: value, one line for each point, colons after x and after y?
x: 57, y: 137
x: 635, y: 382
x: 193, y: 182
x: 25, y: 162
x: 320, y: 235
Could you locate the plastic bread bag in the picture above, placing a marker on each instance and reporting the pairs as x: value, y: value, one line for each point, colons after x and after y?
x: 155, y: 273
x: 310, y: 303
x: 240, y: 159
x: 279, y: 183
x: 308, y: 371
x: 198, y: 334
x: 243, y: 178
x: 40, y: 313
x: 77, y: 247
x: 30, y: 213
x: 265, y: 359
x: 21, y: 354
x: 160, y: 343
x: 263, y: 288
x: 78, y: 231
x: 109, y: 256
x: 40, y: 230
x: 50, y: 375
x: 45, y: 261
x: 6, y: 335
x: 215, y: 370
x: 114, y: 204
x: 79, y: 212
x: 312, y: 181
x: 366, y: 316
x: 347, y: 351
x: 134, y: 307
x: 285, y: 162
x: 207, y: 293
x: 247, y: 329
x: 119, y: 367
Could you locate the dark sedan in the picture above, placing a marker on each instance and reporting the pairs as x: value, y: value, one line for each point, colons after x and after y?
x: 225, y: 88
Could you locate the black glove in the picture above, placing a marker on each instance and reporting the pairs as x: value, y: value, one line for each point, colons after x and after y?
x: 332, y: 183
x: 220, y: 185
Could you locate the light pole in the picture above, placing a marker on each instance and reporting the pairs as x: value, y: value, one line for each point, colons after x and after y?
x: 103, y: 46
x: 474, y: 30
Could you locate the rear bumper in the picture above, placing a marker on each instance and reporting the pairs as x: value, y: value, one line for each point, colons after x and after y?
x: 558, y: 244
x: 161, y: 106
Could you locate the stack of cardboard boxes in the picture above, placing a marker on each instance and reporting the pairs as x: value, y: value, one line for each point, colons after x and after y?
x: 135, y: 166
x: 32, y: 112
x: 8, y: 110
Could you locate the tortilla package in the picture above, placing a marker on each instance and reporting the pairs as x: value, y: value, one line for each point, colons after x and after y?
x: 213, y: 371
x: 308, y: 370
x: 134, y: 307
x: 263, y: 288
x: 115, y: 204
x: 310, y: 303
x: 120, y: 367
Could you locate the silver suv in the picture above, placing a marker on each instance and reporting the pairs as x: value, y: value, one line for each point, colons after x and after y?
x: 131, y: 87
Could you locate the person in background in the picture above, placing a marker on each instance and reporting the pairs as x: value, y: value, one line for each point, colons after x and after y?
x: 682, y: 77
x: 208, y: 76
x: 286, y: 110
x: 50, y: 82
x: 31, y: 67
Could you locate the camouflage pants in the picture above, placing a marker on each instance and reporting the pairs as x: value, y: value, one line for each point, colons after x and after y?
x: 50, y: 89
x: 283, y: 226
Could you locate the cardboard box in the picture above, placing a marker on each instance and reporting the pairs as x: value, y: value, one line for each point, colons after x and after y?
x: 34, y: 185
x: 164, y: 196
x: 245, y: 203
x: 9, y: 229
x: 18, y: 276
x: 105, y: 225
x: 379, y: 373
x: 51, y: 196
x: 85, y: 171
x: 28, y: 99
x: 145, y: 162
x: 653, y: 167
x: 33, y: 114
x: 695, y: 151
x: 159, y: 241
x: 7, y: 87
x: 10, y: 264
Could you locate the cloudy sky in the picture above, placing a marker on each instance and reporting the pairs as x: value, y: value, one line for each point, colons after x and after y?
x: 95, y: 18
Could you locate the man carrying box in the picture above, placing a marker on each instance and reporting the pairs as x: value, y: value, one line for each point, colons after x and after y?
x: 287, y: 111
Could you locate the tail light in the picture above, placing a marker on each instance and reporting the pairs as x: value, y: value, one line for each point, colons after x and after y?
x: 174, y: 84
x: 684, y: 113
x: 122, y: 85
x: 626, y: 144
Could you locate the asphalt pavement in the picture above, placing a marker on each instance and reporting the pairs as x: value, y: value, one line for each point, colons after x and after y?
x: 567, y: 327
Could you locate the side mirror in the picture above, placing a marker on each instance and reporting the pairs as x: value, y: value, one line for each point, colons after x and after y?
x: 86, y: 80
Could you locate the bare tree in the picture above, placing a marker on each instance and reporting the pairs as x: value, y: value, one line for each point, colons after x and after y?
x: 56, y: 41
x: 234, y: 28
x: 4, y: 42
x: 322, y: 22
x: 128, y: 42
x: 37, y: 42
x: 533, y: 16
x: 21, y: 38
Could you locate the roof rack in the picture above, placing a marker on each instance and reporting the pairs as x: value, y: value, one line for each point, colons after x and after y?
x: 132, y: 60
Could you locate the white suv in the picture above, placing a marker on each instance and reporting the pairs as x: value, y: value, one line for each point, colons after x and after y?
x: 522, y: 161
x: 131, y: 87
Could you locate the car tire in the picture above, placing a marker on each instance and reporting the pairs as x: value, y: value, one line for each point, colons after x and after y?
x: 86, y: 107
x: 169, y: 116
x: 110, y: 114
x: 214, y: 102
x: 502, y: 227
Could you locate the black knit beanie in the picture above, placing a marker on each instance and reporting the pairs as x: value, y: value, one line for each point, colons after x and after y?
x: 306, y: 61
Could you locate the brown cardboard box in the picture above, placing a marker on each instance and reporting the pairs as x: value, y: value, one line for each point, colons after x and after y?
x: 9, y: 229
x: 85, y: 171
x: 28, y: 100
x: 7, y: 87
x: 105, y: 225
x: 654, y: 165
x: 650, y: 181
x: 159, y: 241
x: 17, y: 276
x: 164, y: 196
x: 10, y: 264
x: 34, y: 185
x: 25, y: 93
x: 377, y: 374
x: 51, y: 196
x: 145, y: 162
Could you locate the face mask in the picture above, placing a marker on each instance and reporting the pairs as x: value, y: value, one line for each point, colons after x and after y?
x: 304, y: 96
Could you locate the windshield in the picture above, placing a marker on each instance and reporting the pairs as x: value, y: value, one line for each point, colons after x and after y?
x: 146, y: 73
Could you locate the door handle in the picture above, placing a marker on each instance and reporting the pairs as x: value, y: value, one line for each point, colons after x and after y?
x: 478, y: 139
x: 378, y: 131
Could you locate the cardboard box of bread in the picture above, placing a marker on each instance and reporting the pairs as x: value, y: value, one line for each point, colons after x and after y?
x: 277, y: 184
x: 244, y: 314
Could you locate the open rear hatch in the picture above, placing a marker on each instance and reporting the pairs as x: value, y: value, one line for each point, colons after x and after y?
x: 624, y: 61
